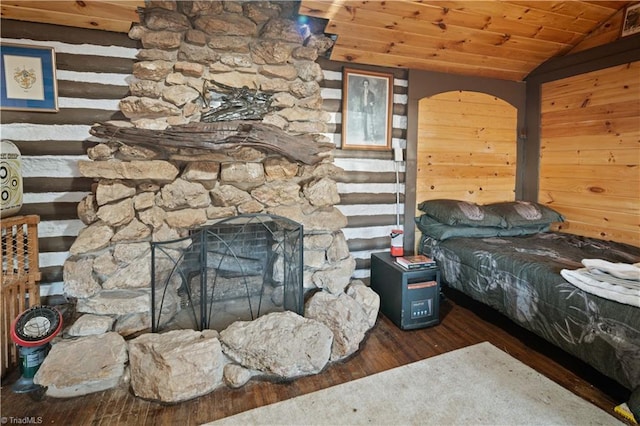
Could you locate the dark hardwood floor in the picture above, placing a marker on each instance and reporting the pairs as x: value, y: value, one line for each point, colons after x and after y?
x: 463, y: 323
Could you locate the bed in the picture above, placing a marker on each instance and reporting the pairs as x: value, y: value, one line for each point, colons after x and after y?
x: 505, y: 256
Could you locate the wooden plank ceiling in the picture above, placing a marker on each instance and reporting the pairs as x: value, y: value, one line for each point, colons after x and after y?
x: 117, y: 15
x: 498, y: 39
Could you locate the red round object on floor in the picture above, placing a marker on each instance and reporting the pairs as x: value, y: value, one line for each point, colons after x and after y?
x: 36, y: 326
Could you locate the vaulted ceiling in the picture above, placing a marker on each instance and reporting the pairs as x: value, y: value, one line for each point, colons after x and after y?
x: 498, y: 39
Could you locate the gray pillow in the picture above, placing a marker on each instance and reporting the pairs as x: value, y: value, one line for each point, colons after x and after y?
x: 457, y: 212
x: 439, y: 231
x: 525, y: 213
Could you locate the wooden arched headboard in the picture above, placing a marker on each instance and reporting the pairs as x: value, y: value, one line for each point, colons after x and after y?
x: 466, y: 148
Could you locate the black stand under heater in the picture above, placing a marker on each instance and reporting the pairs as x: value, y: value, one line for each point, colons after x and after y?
x: 32, y: 331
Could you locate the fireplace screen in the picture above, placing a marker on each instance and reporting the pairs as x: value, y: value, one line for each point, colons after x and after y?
x: 234, y: 270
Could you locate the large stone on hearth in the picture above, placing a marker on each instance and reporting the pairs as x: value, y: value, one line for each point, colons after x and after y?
x: 84, y: 365
x: 344, y: 316
x: 175, y: 366
x: 236, y: 376
x: 139, y: 170
x: 284, y: 344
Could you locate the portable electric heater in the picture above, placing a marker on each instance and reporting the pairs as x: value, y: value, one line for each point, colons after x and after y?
x: 31, y: 332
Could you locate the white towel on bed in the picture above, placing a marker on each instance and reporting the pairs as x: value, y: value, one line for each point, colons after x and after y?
x: 614, y: 281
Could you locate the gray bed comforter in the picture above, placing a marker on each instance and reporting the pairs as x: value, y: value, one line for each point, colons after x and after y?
x: 520, y: 277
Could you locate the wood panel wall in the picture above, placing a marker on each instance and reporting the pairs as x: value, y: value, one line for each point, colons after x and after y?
x: 466, y: 148
x: 590, y: 152
x: 93, y: 70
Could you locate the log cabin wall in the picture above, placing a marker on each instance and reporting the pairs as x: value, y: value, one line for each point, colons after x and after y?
x: 583, y: 150
x: 590, y: 152
x: 93, y: 68
x: 93, y: 72
x: 368, y: 187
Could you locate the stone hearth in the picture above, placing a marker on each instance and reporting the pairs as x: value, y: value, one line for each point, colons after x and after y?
x: 154, y: 192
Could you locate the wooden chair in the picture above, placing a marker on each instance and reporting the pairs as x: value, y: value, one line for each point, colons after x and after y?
x: 19, y: 277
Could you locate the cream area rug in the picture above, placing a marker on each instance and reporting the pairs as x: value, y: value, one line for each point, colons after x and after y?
x: 476, y: 385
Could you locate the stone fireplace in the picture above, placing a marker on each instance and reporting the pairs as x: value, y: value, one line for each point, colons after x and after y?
x: 239, y: 269
x: 164, y: 174
x: 149, y: 190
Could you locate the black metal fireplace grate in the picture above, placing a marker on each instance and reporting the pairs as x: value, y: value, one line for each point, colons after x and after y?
x: 234, y: 270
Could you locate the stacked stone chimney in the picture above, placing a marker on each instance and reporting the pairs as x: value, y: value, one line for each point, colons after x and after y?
x: 150, y: 192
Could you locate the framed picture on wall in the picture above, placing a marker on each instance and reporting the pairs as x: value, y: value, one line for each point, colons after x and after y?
x: 631, y: 20
x: 367, y: 102
x: 28, y: 78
